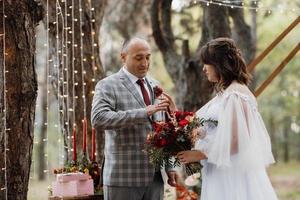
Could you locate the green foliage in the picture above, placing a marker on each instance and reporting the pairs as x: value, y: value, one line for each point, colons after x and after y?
x: 280, y: 100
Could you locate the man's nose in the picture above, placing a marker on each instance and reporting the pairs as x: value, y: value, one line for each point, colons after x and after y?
x: 144, y: 62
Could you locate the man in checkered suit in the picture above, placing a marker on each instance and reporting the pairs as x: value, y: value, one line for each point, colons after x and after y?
x: 123, y: 107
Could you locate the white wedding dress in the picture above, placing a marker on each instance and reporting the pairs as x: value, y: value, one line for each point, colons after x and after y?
x: 238, y: 149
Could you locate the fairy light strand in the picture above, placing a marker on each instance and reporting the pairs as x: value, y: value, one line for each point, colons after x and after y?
x: 81, y: 61
x: 5, y: 105
x: 66, y: 68
x: 45, y: 140
x: 73, y: 63
x: 60, y: 62
x: 241, y: 5
x: 62, y: 80
x: 74, y: 71
x: 73, y: 78
x: 93, y: 41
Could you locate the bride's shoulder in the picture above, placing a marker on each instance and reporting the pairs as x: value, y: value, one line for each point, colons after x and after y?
x: 240, y: 91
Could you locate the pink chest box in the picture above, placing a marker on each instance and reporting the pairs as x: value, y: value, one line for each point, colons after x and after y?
x: 73, y: 184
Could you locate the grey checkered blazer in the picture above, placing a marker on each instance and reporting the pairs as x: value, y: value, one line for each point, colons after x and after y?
x: 119, y: 109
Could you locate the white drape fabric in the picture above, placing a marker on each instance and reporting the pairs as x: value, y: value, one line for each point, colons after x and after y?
x: 238, y: 149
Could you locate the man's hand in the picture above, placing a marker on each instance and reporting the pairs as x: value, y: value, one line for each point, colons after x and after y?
x: 162, y: 106
x: 172, y: 178
x: 172, y: 105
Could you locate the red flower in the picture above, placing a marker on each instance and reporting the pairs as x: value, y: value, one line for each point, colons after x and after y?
x: 183, y: 122
x: 188, y: 113
x: 163, y: 142
x: 157, y: 91
x: 178, y: 114
x: 181, y: 115
x: 157, y: 127
x: 159, y: 141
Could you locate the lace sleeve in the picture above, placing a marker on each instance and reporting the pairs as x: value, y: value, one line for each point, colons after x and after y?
x: 240, y: 137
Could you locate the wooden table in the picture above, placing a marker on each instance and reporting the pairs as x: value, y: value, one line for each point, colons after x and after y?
x: 89, y: 197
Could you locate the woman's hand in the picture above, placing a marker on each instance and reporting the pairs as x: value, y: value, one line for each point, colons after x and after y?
x: 186, y: 157
x: 170, y: 99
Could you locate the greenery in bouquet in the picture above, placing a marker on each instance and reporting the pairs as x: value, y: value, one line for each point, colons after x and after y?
x: 171, y: 137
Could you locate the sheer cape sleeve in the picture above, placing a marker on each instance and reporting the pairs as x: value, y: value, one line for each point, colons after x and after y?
x: 241, y: 138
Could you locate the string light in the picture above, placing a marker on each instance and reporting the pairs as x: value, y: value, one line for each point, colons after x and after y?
x: 60, y: 60
x: 47, y: 95
x: 65, y: 66
x: 81, y: 60
x: 240, y: 4
x: 4, y: 188
x: 33, y: 164
x: 66, y: 63
x: 93, y: 33
x: 73, y: 70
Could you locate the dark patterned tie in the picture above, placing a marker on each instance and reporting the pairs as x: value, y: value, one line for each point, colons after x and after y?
x: 144, y: 91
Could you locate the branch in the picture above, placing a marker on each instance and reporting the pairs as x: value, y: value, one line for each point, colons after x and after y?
x: 242, y: 31
x: 166, y: 23
x: 157, y: 32
x: 214, y: 26
x: 37, y: 10
x: 164, y: 37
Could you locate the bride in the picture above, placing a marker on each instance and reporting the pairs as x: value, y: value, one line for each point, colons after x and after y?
x: 236, y: 152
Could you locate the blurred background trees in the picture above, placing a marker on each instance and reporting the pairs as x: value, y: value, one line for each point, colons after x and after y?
x: 176, y: 30
x: 191, y: 25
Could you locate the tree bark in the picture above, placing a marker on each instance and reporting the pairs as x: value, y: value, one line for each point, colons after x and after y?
x: 91, y: 63
x: 192, y: 88
x: 242, y: 34
x: 128, y: 17
x: 21, y: 86
x: 118, y: 26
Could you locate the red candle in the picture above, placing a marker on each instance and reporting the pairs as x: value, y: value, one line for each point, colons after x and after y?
x: 93, y: 144
x: 84, y: 136
x: 74, y: 145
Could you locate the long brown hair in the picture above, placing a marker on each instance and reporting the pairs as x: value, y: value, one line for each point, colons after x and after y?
x: 227, y: 60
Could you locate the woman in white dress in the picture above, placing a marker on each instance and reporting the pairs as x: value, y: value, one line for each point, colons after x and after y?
x: 236, y: 152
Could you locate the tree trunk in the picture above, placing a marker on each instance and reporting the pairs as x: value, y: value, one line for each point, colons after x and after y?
x: 21, y: 86
x: 120, y: 15
x: 240, y: 32
x: 192, y: 88
x: 67, y: 48
x: 117, y: 28
x: 286, y: 145
x: 244, y: 35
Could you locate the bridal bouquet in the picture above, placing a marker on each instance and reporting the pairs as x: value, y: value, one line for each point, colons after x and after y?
x: 171, y: 137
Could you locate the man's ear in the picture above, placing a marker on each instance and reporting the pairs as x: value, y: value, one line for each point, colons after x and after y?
x: 123, y: 57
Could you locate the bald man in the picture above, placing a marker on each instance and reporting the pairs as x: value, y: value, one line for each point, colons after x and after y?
x: 123, y: 107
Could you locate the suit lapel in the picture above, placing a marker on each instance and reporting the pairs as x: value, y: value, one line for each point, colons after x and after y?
x: 131, y: 88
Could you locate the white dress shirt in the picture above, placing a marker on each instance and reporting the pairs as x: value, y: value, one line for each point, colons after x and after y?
x: 134, y: 79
